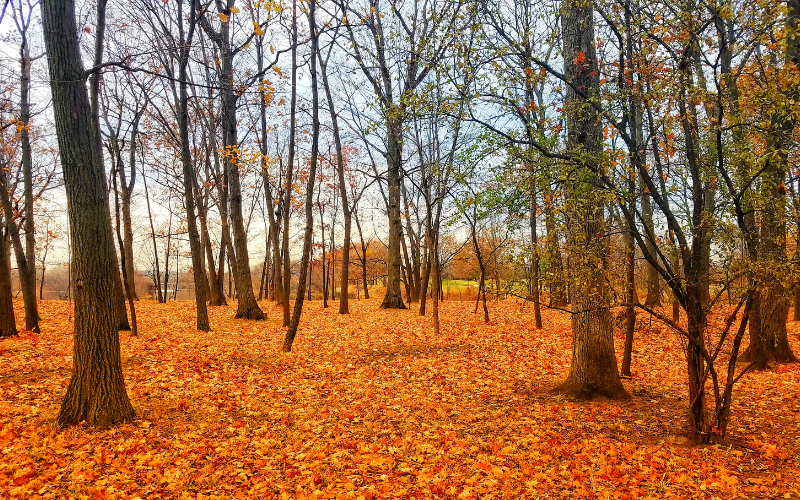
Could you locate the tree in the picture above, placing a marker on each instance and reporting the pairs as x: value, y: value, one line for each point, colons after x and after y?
x: 8, y: 323
x: 344, y: 307
x: 395, y: 84
x: 96, y: 391
x: 291, y: 331
x: 247, y: 306
x: 594, y: 364
x: 27, y: 261
x: 189, y: 181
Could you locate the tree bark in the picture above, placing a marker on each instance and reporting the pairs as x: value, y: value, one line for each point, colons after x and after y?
x: 28, y: 289
x: 394, y: 298
x: 96, y: 391
x: 8, y: 323
x: 247, y: 307
x: 363, y: 260
x: 126, y: 279
x: 594, y: 363
x: 31, y: 310
x: 126, y: 192
x: 291, y: 332
x: 287, y: 204
x: 344, y: 305
x: 198, y: 270
x: 94, y: 98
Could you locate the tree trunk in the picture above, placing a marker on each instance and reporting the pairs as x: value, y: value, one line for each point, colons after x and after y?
x: 198, y: 270
x: 344, y: 281
x: 363, y: 260
x: 555, y: 268
x: 287, y: 203
x: 31, y: 310
x: 96, y: 391
x: 630, y: 310
x: 157, y: 273
x: 44, y: 266
x: 594, y: 363
x: 216, y: 298
x: 437, y: 279
x: 653, y: 293
x: 291, y: 332
x: 28, y: 289
x: 125, y: 277
x: 393, y: 298
x: 126, y: 194
x: 94, y: 98
x: 537, y: 311
x: 770, y: 343
x: 8, y: 323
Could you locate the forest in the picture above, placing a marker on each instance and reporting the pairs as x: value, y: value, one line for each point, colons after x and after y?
x: 399, y: 248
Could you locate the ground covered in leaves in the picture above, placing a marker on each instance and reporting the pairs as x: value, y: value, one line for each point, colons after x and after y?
x: 372, y: 405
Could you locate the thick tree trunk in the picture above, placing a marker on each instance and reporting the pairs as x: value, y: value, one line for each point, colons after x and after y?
x: 594, y: 363
x: 393, y: 298
x: 770, y: 343
x: 96, y: 391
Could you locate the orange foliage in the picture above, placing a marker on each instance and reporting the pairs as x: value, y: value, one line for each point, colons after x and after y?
x: 372, y: 405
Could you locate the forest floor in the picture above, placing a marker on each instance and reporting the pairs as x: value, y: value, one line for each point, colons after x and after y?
x: 372, y: 405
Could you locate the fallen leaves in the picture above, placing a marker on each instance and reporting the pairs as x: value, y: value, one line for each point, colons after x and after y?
x: 372, y: 405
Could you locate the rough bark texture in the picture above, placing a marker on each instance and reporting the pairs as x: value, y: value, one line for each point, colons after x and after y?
x: 96, y: 391
x: 198, y: 270
x: 94, y: 103
x: 8, y: 323
x: 394, y: 298
x: 247, y: 307
x: 594, y: 363
x: 769, y: 342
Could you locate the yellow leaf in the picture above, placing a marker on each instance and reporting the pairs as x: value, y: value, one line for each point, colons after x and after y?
x: 234, y: 10
x: 223, y: 17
